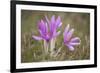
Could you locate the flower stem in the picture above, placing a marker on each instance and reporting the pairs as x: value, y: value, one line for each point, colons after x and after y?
x: 52, y: 46
x: 46, y: 48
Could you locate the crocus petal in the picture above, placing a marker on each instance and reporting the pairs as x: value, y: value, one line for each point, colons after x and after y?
x: 71, y: 48
x: 43, y: 35
x: 69, y: 34
x: 52, y: 24
x: 42, y: 26
x: 46, y: 26
x: 47, y: 19
x: 66, y: 31
x: 58, y: 22
x: 57, y: 33
x: 36, y: 37
x: 74, y: 43
x: 53, y: 19
x: 76, y: 39
x: 47, y: 38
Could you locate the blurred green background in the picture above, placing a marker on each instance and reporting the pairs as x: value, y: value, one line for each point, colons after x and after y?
x: 31, y: 50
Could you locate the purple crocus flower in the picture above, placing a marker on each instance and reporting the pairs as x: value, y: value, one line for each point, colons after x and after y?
x: 69, y: 40
x: 48, y: 28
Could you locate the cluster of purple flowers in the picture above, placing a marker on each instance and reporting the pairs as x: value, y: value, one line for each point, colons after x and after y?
x: 48, y: 30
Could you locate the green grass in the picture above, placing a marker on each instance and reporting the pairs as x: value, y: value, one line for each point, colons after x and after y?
x: 32, y: 50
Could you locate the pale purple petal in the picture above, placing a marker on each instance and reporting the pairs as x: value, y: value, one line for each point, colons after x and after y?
x: 52, y: 24
x: 47, y: 37
x: 76, y: 39
x: 58, y: 22
x: 66, y: 31
x: 42, y: 34
x: 47, y: 20
x: 74, y: 43
x: 69, y: 34
x: 36, y: 37
x: 57, y: 33
x: 46, y: 25
x: 42, y: 26
x: 67, y: 28
x: 71, y: 48
x: 53, y: 19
